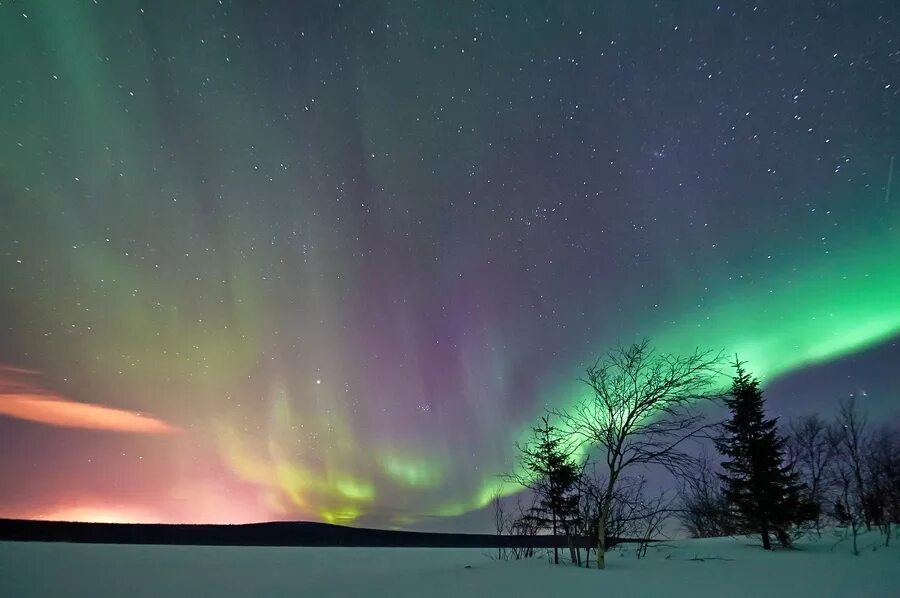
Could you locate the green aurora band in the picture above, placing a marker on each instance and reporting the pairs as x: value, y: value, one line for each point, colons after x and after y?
x: 842, y: 304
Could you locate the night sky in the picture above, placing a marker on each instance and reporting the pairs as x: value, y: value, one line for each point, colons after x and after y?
x: 315, y: 260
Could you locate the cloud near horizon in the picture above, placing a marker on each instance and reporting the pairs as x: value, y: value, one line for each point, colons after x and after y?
x: 21, y: 399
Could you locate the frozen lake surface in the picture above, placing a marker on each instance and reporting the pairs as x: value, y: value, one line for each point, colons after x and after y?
x: 696, y: 568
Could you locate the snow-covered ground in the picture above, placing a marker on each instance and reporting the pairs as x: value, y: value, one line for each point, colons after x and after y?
x: 729, y: 567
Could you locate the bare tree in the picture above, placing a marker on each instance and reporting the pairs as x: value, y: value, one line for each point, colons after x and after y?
x: 635, y: 516
x: 641, y: 411
x: 500, y: 521
x: 632, y: 515
x: 848, y: 498
x: 524, y: 525
x: 655, y: 510
x: 590, y: 491
x: 628, y: 509
x: 883, y: 469
x: 848, y: 441
x: 810, y: 454
x: 847, y: 505
x: 704, y: 510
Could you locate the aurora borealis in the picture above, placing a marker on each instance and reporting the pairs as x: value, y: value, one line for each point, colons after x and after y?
x: 321, y: 260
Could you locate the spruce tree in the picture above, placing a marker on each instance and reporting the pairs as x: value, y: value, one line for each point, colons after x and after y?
x: 762, y: 491
x: 553, y: 476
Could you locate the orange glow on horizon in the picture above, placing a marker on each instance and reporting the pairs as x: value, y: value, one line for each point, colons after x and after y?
x: 87, y: 514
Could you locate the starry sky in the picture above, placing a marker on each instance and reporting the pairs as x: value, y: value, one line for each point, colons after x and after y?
x: 330, y: 260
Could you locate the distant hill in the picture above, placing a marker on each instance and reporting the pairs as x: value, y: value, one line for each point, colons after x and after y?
x: 280, y: 533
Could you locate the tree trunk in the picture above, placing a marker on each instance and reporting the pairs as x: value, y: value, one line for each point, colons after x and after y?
x: 861, y: 487
x: 601, y: 539
x: 767, y: 543
x: 570, y: 541
x: 783, y: 537
x: 555, y: 545
x: 605, y: 507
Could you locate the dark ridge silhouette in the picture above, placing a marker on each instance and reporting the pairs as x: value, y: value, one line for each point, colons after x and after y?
x: 282, y: 533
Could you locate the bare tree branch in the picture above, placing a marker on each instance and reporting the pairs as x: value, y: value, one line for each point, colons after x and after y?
x: 642, y: 410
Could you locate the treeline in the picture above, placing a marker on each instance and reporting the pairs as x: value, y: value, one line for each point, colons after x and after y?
x: 846, y: 471
x: 645, y: 410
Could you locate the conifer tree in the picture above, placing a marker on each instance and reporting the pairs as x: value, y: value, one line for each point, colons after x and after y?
x: 762, y: 491
x: 553, y: 475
